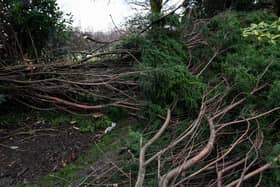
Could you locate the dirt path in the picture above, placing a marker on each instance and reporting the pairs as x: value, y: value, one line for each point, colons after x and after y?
x: 38, y: 149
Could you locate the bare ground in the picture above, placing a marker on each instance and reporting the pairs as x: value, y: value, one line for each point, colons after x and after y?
x: 37, y: 149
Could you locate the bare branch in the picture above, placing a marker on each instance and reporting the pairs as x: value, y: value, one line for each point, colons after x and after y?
x: 142, y: 163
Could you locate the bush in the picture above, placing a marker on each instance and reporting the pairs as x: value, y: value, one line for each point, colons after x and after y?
x: 273, y: 94
x: 30, y: 24
x: 166, y: 79
x: 247, y: 62
x: 264, y: 31
x: 172, y: 84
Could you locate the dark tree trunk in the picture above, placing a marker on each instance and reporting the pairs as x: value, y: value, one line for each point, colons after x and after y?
x: 277, y: 7
x: 227, y: 4
x: 156, y: 6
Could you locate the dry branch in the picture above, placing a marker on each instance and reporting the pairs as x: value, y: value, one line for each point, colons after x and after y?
x: 81, y: 87
x: 217, y: 166
x: 142, y: 163
x: 166, y: 178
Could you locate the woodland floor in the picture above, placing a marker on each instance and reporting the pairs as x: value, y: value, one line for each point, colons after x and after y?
x: 37, y: 149
x: 35, y: 153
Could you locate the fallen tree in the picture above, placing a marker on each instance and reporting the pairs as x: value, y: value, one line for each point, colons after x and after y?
x: 72, y: 86
x: 212, y: 157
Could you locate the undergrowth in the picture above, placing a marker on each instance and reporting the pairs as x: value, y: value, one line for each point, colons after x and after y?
x: 246, y: 63
x: 166, y: 79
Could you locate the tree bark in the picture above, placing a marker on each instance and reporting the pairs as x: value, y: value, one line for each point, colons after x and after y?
x: 156, y: 6
x: 277, y: 7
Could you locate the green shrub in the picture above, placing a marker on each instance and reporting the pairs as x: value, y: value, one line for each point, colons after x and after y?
x: 264, y: 31
x: 133, y: 41
x: 166, y: 79
x: 172, y: 84
x: 247, y: 62
x: 274, y: 93
x: 133, y: 143
x: 31, y: 24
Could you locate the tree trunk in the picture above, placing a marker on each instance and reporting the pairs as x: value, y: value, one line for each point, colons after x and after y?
x: 156, y: 6
x: 277, y: 7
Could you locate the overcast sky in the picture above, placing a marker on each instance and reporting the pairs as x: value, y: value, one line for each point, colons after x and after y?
x: 94, y: 15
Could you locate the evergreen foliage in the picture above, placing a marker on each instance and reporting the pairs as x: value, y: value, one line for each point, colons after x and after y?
x: 247, y: 62
x: 167, y: 79
x: 264, y: 31
x: 29, y: 25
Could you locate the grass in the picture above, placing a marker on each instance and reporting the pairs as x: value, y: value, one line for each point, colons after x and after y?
x: 85, y: 124
x: 54, y: 118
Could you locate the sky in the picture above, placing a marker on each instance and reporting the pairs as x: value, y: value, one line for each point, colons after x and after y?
x: 94, y: 15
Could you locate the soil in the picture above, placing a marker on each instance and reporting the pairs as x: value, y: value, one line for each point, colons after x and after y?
x: 38, y: 149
